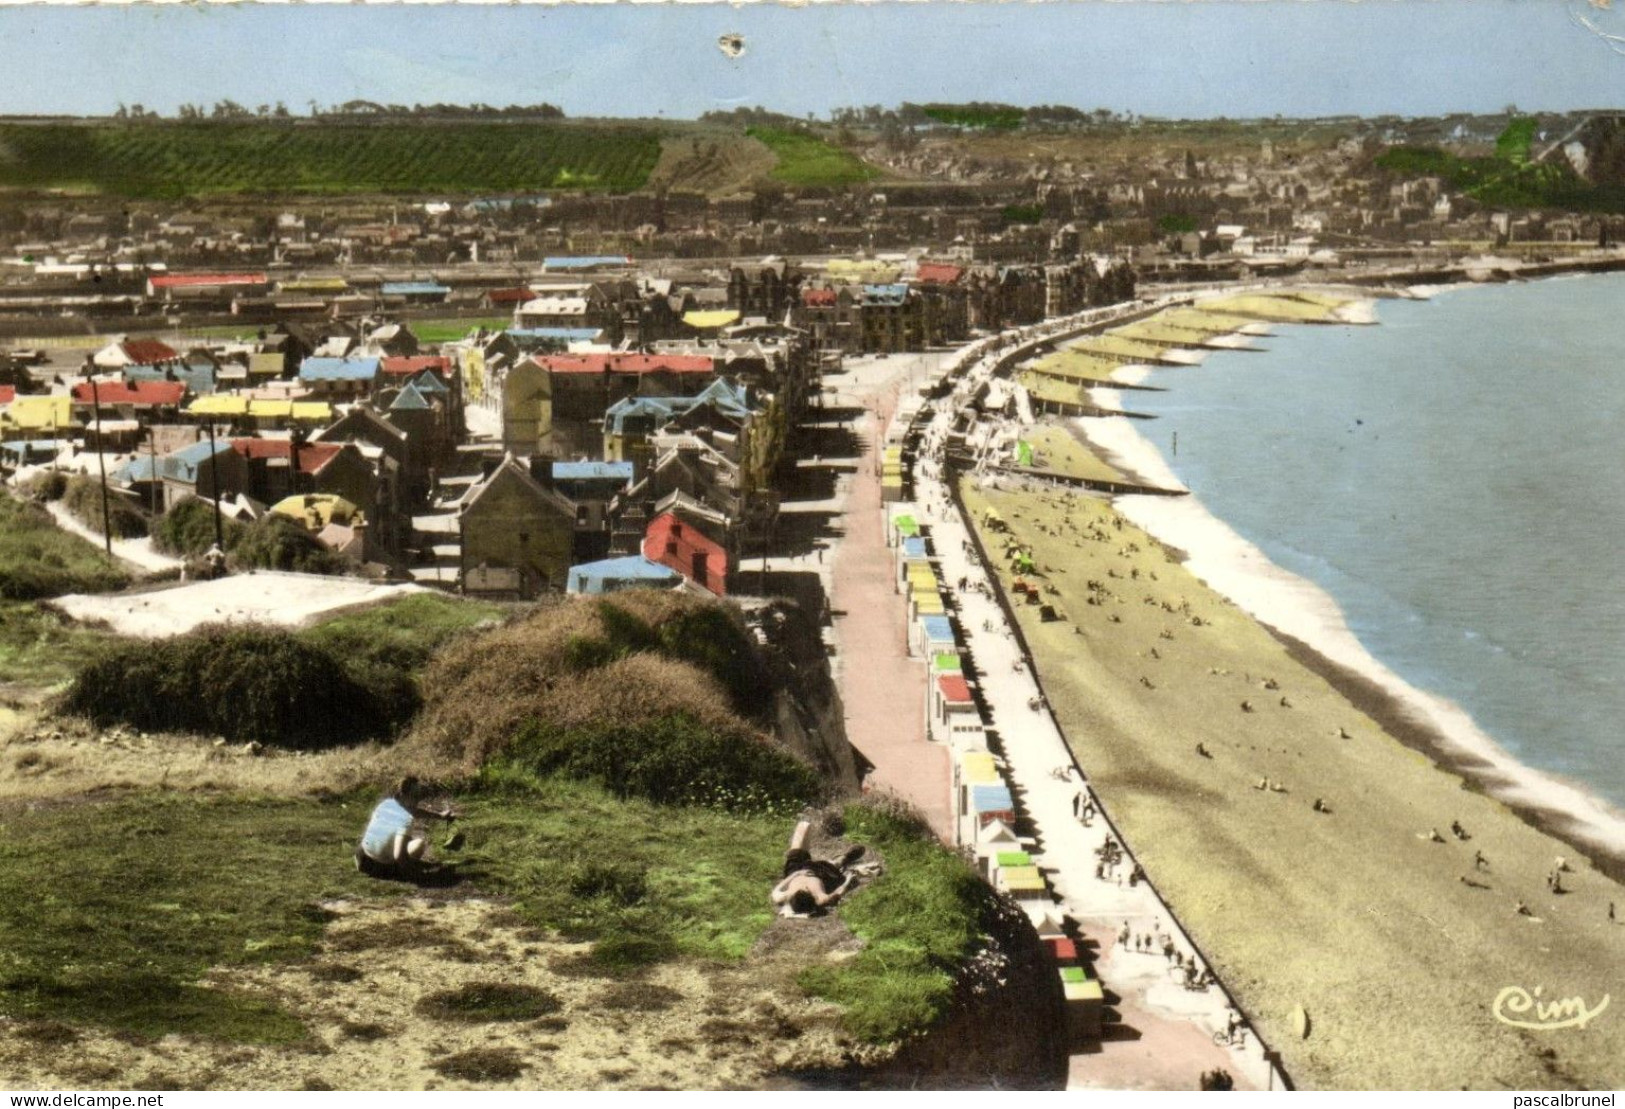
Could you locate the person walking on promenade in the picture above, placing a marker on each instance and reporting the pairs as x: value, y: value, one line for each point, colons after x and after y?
x: 1479, y: 861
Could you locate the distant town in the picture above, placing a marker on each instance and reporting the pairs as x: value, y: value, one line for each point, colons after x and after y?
x: 487, y: 391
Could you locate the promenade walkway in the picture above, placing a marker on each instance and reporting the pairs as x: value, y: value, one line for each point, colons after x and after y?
x: 1164, y: 1038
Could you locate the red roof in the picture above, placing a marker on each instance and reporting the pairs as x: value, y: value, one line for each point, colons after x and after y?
x: 417, y: 363
x: 938, y: 273
x: 157, y: 394
x: 673, y: 543
x: 818, y: 298
x: 8, y: 393
x: 627, y: 363
x: 953, y: 688
x: 183, y: 280
x: 312, y: 456
x: 1061, y: 949
x: 511, y: 296
x: 148, y: 352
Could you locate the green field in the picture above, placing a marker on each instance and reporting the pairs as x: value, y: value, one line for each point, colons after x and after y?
x: 166, y: 160
x: 449, y: 331
x: 806, y: 159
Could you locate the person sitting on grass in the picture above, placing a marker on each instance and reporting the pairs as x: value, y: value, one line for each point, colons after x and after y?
x: 389, y: 846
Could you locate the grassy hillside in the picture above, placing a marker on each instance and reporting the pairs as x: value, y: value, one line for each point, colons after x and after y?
x: 181, y: 159
x: 624, y: 810
x: 806, y: 159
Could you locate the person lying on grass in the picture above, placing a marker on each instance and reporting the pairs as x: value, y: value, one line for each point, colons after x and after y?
x: 812, y: 885
x: 392, y: 843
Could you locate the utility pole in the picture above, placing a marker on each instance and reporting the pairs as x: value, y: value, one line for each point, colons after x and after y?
x: 101, y: 462
x: 214, y: 472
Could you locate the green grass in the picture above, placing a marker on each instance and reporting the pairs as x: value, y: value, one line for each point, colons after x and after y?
x: 806, y: 159
x: 643, y: 882
x: 402, y: 633
x: 449, y: 331
x: 38, y: 647
x: 110, y: 913
x: 168, y: 160
x: 39, y: 559
x: 919, y: 921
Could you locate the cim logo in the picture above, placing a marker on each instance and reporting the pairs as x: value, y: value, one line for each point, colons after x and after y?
x: 1514, y: 1006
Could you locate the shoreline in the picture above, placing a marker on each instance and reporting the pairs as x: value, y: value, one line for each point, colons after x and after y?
x: 1309, y: 623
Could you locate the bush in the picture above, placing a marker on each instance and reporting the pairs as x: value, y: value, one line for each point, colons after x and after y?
x: 187, y: 530
x: 39, y: 559
x: 49, y: 485
x: 669, y: 760
x: 244, y: 683
x: 277, y: 543
x: 83, y: 498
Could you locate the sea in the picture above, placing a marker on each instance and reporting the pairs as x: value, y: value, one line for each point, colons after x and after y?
x: 1454, y: 479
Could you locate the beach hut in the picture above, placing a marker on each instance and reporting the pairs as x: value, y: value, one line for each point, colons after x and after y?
x: 933, y: 634
x: 973, y: 769
x: 901, y: 523
x: 1024, y: 883
x: 991, y: 802
x: 1085, y: 1004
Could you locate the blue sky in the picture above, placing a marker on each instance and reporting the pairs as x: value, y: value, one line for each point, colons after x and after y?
x: 1191, y: 59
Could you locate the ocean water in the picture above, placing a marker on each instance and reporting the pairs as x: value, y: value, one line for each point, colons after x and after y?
x: 1455, y: 479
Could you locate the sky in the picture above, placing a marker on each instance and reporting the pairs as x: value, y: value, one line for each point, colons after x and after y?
x: 1207, y: 58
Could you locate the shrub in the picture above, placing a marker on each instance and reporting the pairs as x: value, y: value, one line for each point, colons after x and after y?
x: 277, y: 543
x: 48, y: 485
x: 244, y: 683
x: 83, y: 498
x: 671, y: 759
x: 187, y: 530
x: 39, y: 559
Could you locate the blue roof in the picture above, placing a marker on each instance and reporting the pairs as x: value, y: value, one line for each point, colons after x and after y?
x: 338, y: 369
x: 592, y: 471
x: 566, y: 334
x: 429, y: 382
x: 182, y: 465
x: 413, y: 288
x: 914, y: 547
x: 938, y: 628
x: 585, y: 261
x: 409, y: 400
x: 198, y: 379
x: 727, y: 396
x: 25, y: 447
x: 656, y: 408
x: 610, y: 574
x: 886, y: 294
x: 991, y: 799
x: 144, y: 468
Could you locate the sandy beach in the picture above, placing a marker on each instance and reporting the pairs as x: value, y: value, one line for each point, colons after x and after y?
x: 1212, y: 737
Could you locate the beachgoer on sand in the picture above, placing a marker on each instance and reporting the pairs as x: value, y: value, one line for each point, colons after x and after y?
x: 1479, y: 861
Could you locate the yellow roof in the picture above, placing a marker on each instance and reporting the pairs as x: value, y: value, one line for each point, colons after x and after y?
x: 928, y: 604
x: 314, y: 285
x: 856, y: 269
x: 312, y: 410
x: 265, y: 364
x: 720, y: 317
x: 219, y: 404
x: 328, y: 509
x: 977, y: 767
x: 270, y: 408
x: 39, y: 412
